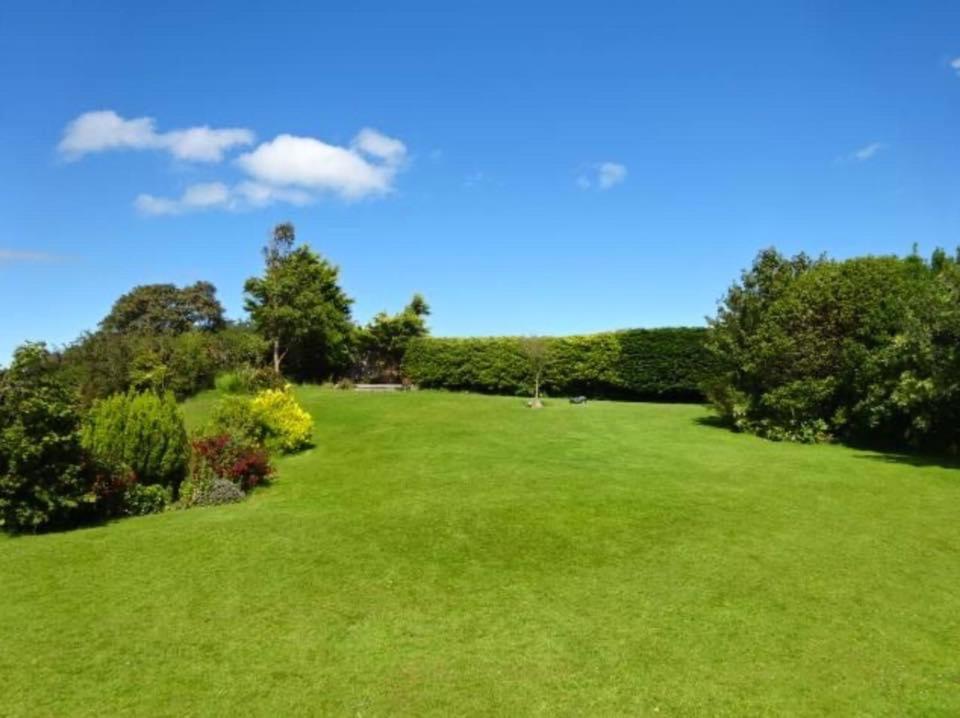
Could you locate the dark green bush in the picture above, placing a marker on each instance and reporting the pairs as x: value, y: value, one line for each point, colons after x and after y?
x: 865, y: 349
x: 44, y: 481
x: 140, y: 500
x: 660, y: 364
x: 142, y: 431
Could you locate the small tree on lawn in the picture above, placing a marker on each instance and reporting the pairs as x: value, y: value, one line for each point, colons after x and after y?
x: 536, y: 350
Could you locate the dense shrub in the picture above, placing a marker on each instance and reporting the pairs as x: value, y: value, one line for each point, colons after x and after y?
x: 866, y: 349
x: 665, y: 364
x: 140, y: 500
x: 273, y: 417
x: 142, y: 431
x: 119, y: 494
x: 44, y: 481
x: 287, y: 425
x: 234, y: 416
x: 232, y: 382
x: 247, y: 380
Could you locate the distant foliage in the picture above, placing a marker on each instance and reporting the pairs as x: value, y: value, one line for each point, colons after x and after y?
x: 142, y: 431
x: 866, y: 349
x: 247, y: 380
x: 383, y: 342
x: 287, y: 425
x: 661, y: 364
x: 44, y: 481
x: 101, y: 363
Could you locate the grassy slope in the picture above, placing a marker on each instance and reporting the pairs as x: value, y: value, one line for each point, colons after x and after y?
x: 449, y: 554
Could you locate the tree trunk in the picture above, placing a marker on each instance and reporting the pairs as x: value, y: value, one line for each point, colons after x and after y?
x: 276, y: 356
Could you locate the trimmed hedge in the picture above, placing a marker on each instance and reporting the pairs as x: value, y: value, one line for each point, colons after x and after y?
x: 653, y: 364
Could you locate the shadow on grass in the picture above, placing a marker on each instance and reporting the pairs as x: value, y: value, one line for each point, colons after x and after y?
x: 882, y: 454
x: 910, y: 459
x: 715, y: 422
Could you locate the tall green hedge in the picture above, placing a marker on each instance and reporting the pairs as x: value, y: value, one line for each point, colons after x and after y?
x: 655, y: 364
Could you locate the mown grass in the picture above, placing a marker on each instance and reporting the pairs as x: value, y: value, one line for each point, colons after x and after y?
x: 445, y: 554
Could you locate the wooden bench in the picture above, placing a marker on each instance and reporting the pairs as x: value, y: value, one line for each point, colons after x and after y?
x: 379, y: 387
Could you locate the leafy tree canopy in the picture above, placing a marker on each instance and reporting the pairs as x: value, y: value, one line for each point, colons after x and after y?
x: 166, y: 309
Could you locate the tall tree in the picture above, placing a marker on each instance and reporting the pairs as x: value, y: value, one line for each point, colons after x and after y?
x: 299, y: 307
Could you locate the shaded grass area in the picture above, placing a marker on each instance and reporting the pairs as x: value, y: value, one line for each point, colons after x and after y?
x: 441, y: 554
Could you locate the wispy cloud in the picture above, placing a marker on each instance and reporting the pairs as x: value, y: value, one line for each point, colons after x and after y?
x: 868, y: 152
x: 865, y: 153
x: 216, y: 195
x: 106, y: 130
x: 602, y: 176
x: 18, y: 255
x: 955, y: 64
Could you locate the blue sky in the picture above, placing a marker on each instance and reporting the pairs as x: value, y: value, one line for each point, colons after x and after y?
x: 531, y: 168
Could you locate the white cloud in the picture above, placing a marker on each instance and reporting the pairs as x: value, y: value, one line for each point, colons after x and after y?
x: 18, y: 255
x: 106, y: 130
x: 260, y: 195
x: 602, y: 176
x: 216, y: 195
x: 289, y: 169
x: 202, y: 144
x: 366, y: 168
x: 955, y: 64
x: 378, y: 145
x: 207, y: 195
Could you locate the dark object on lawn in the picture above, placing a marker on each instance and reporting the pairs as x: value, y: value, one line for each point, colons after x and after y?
x: 578, y: 400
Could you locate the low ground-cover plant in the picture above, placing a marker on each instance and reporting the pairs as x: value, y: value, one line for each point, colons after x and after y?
x: 220, y: 491
x: 142, y: 431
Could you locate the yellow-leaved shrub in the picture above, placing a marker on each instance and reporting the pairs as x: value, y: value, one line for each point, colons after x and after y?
x: 288, y: 426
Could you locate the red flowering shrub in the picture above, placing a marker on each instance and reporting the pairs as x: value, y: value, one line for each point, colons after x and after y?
x: 227, y: 457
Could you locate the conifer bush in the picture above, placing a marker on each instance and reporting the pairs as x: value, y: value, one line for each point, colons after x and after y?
x: 143, y: 431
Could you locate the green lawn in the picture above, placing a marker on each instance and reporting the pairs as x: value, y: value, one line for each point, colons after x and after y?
x: 450, y: 554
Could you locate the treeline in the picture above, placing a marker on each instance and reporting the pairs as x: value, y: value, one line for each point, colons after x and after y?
x: 861, y: 350
x: 164, y: 338
x: 667, y: 364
